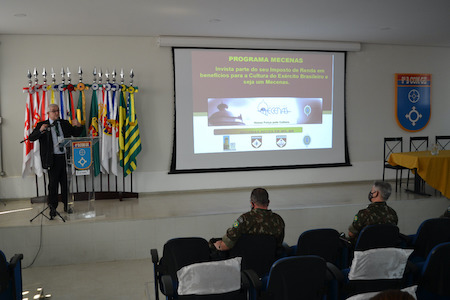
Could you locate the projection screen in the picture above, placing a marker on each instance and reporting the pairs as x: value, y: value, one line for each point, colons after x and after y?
x: 258, y: 109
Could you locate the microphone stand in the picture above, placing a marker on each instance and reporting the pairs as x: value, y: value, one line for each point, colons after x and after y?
x: 51, y: 218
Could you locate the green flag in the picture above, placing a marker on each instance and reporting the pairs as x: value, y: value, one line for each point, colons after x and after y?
x: 93, y: 132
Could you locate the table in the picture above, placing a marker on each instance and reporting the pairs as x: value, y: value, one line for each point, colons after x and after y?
x: 434, y: 169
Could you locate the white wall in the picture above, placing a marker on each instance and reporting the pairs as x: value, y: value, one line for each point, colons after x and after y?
x: 369, y: 93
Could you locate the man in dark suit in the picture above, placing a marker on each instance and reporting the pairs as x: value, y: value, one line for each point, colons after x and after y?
x: 50, y: 132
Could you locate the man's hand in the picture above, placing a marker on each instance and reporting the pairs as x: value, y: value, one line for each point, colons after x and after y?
x: 76, y: 123
x: 43, y: 128
x: 220, y: 245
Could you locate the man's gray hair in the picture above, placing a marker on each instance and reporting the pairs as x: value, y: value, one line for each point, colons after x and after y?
x: 52, y: 105
x: 384, y: 188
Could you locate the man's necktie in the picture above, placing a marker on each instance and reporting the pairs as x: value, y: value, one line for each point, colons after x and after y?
x: 58, y: 134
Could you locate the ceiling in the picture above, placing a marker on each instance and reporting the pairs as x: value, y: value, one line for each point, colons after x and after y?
x: 401, y: 22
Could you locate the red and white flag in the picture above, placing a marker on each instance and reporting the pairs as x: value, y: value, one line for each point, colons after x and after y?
x: 27, y: 163
x: 38, y: 116
x: 107, y: 132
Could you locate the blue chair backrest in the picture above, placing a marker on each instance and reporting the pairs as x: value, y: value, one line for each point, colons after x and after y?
x: 323, y: 242
x: 435, y: 277
x: 429, y: 234
x: 378, y: 236
x: 297, y: 277
x: 180, y: 252
x: 258, y: 252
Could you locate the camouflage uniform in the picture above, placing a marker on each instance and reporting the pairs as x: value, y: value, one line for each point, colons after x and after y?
x: 375, y: 213
x: 256, y: 221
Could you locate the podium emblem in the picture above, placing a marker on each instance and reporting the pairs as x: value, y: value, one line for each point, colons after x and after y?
x: 82, y: 155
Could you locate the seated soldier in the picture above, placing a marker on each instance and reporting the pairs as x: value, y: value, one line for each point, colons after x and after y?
x: 259, y: 220
x: 377, y: 212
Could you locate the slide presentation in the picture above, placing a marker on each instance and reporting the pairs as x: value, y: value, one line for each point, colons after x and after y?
x: 247, y: 109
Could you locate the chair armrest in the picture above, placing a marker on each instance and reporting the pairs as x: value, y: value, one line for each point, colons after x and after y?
x: 406, y: 240
x: 167, y: 286
x: 155, y: 256
x: 413, y: 269
x: 345, y: 242
x: 333, y: 272
x: 15, y: 260
x: 253, y: 279
x: 283, y: 251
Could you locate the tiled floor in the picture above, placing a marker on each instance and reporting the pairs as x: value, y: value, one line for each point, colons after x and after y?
x: 133, y: 279
x: 165, y: 205
x: 130, y: 280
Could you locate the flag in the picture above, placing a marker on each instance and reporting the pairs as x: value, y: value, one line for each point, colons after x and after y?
x: 132, y: 137
x: 62, y: 102
x: 94, y: 132
x: 115, y: 129
x: 52, y: 96
x: 44, y: 103
x: 37, y: 111
x: 81, y: 108
x: 27, y: 162
x: 107, y: 132
x: 122, y: 120
x: 71, y: 106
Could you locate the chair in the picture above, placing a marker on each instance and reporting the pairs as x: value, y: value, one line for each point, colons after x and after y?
x: 376, y: 270
x: 258, y: 252
x: 430, y: 233
x: 326, y: 243
x: 177, y: 253
x: 11, y: 277
x: 417, y: 143
x: 435, y: 276
x: 443, y: 142
x: 378, y: 236
x: 393, y: 145
x: 215, y: 280
x: 300, y: 277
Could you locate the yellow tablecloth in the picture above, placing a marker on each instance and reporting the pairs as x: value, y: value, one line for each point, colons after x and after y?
x: 434, y: 169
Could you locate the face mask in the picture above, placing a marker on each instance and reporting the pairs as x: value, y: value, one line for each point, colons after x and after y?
x: 371, y: 195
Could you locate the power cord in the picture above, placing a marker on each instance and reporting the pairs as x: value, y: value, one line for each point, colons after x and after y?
x: 40, y: 243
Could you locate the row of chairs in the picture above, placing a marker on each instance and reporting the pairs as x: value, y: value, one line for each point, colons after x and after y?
x: 417, y: 143
x: 319, y: 266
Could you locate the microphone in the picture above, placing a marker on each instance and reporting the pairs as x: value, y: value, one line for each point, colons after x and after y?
x: 49, y: 127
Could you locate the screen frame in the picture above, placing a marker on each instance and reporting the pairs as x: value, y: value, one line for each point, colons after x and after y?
x: 173, y: 165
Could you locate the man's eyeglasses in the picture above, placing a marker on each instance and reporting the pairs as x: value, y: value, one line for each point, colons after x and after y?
x: 53, y: 111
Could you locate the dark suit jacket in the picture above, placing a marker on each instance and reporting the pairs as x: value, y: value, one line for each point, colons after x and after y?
x: 46, y: 141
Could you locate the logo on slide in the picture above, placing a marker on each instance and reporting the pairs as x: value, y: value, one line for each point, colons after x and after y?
x: 266, y: 110
x: 281, y: 141
x: 307, y: 140
x: 256, y: 141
